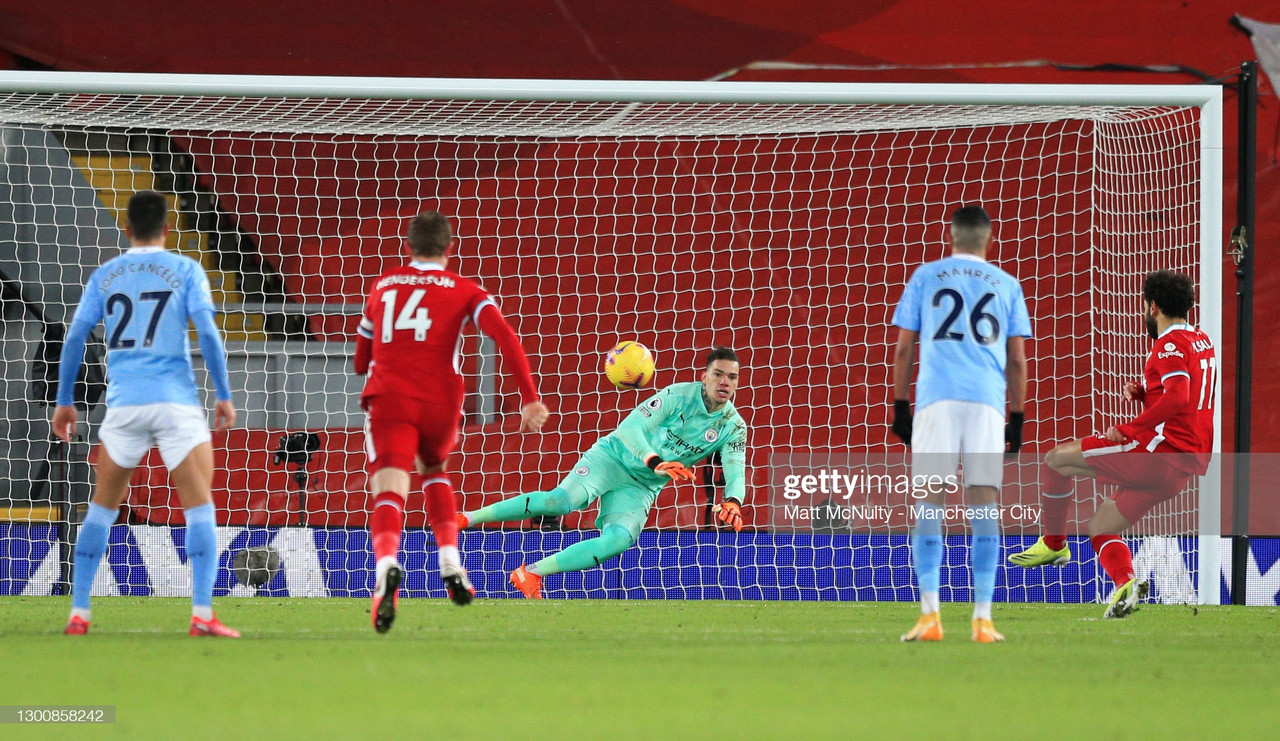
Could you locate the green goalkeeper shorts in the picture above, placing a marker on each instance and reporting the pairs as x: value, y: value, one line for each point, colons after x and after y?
x: 623, y: 500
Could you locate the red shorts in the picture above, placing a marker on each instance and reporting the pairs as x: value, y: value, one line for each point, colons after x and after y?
x: 1145, y: 478
x: 398, y: 429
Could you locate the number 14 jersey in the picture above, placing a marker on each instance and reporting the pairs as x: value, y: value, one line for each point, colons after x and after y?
x: 414, y: 317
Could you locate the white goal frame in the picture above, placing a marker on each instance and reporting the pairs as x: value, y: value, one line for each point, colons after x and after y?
x: 1206, y: 98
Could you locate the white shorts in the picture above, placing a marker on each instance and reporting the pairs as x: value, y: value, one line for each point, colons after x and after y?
x: 127, y: 433
x: 946, y: 431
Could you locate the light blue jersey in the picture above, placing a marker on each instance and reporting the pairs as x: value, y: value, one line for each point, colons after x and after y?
x: 146, y: 297
x: 964, y: 309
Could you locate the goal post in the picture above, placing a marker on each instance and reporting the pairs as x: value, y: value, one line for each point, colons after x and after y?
x: 780, y: 218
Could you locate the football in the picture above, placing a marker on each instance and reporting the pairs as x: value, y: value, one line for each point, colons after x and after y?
x: 256, y: 567
x: 629, y: 365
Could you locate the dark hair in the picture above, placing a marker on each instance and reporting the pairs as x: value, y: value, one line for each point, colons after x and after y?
x: 970, y: 227
x: 147, y: 215
x: 721, y: 353
x: 1172, y: 292
x: 429, y: 234
x: 971, y: 217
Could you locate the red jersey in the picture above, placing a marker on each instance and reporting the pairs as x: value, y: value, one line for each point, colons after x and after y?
x: 1181, y: 351
x: 414, y: 317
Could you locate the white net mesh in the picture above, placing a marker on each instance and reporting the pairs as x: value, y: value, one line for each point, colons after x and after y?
x: 786, y: 231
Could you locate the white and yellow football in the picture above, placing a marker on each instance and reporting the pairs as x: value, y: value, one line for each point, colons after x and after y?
x: 629, y: 365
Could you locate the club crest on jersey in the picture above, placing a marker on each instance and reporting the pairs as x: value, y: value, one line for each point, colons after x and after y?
x: 581, y: 471
x: 711, y: 435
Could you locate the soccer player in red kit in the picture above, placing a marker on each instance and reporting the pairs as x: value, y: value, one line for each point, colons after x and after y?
x: 408, y: 344
x: 1150, y: 459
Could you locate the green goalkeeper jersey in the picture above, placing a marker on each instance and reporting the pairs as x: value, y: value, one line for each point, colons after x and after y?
x: 675, y: 425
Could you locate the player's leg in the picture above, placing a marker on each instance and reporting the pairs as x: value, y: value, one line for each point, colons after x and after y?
x: 1063, y: 462
x: 1145, y: 480
x: 982, y: 443
x: 182, y: 434
x: 577, y: 490
x: 935, y: 454
x: 442, y: 514
x: 119, y: 454
x: 623, y: 513
x: 391, y: 444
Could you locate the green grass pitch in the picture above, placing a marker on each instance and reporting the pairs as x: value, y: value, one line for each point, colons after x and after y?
x: 514, y: 669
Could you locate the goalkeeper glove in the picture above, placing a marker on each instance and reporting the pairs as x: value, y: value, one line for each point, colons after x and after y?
x: 902, y: 420
x: 729, y: 512
x: 675, y: 469
x: 1013, y: 431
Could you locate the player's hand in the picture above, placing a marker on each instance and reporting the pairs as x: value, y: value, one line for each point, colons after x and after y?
x: 533, y: 416
x: 1115, y: 435
x: 674, y: 469
x: 64, y: 422
x: 902, y: 420
x: 224, y: 415
x: 1134, y: 392
x: 1013, y: 431
x: 729, y: 513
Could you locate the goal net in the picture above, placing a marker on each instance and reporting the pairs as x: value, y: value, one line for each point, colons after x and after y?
x: 781, y: 220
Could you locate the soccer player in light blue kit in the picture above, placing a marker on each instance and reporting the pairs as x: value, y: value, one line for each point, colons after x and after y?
x: 680, y: 425
x: 146, y: 297
x: 970, y: 319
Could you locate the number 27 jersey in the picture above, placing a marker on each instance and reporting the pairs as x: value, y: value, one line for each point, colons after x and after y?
x: 414, y: 316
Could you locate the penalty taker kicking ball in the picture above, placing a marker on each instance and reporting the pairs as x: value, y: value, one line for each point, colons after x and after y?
x: 629, y: 365
x: 257, y: 566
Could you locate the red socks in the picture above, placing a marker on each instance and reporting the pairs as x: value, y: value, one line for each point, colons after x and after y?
x: 387, y: 520
x: 1054, y: 500
x: 442, y: 510
x: 385, y: 524
x: 1115, y: 557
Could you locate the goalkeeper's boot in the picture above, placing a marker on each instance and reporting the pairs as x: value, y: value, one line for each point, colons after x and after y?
x: 386, y: 593
x: 1041, y: 555
x: 927, y: 628
x: 529, y: 584
x: 985, y: 632
x: 211, y: 627
x: 76, y: 626
x: 1126, y: 598
x: 463, y: 522
x: 458, y: 585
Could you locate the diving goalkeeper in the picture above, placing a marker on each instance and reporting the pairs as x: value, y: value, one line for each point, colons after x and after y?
x: 680, y: 425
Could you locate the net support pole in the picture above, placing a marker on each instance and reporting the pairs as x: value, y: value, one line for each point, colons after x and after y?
x: 1209, y: 527
x: 1242, y: 238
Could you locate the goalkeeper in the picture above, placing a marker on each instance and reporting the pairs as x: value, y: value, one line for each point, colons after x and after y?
x: 680, y: 425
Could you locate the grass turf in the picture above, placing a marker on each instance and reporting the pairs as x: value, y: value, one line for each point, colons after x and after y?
x: 641, y: 669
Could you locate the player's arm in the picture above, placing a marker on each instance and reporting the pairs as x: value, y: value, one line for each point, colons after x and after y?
x: 907, y: 318
x: 1015, y: 373
x: 215, y: 361
x: 1176, y: 397
x: 637, y: 430
x: 201, y: 310
x: 490, y: 321
x: 364, y: 341
x: 904, y: 356
x: 733, y: 461
x: 87, y: 316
